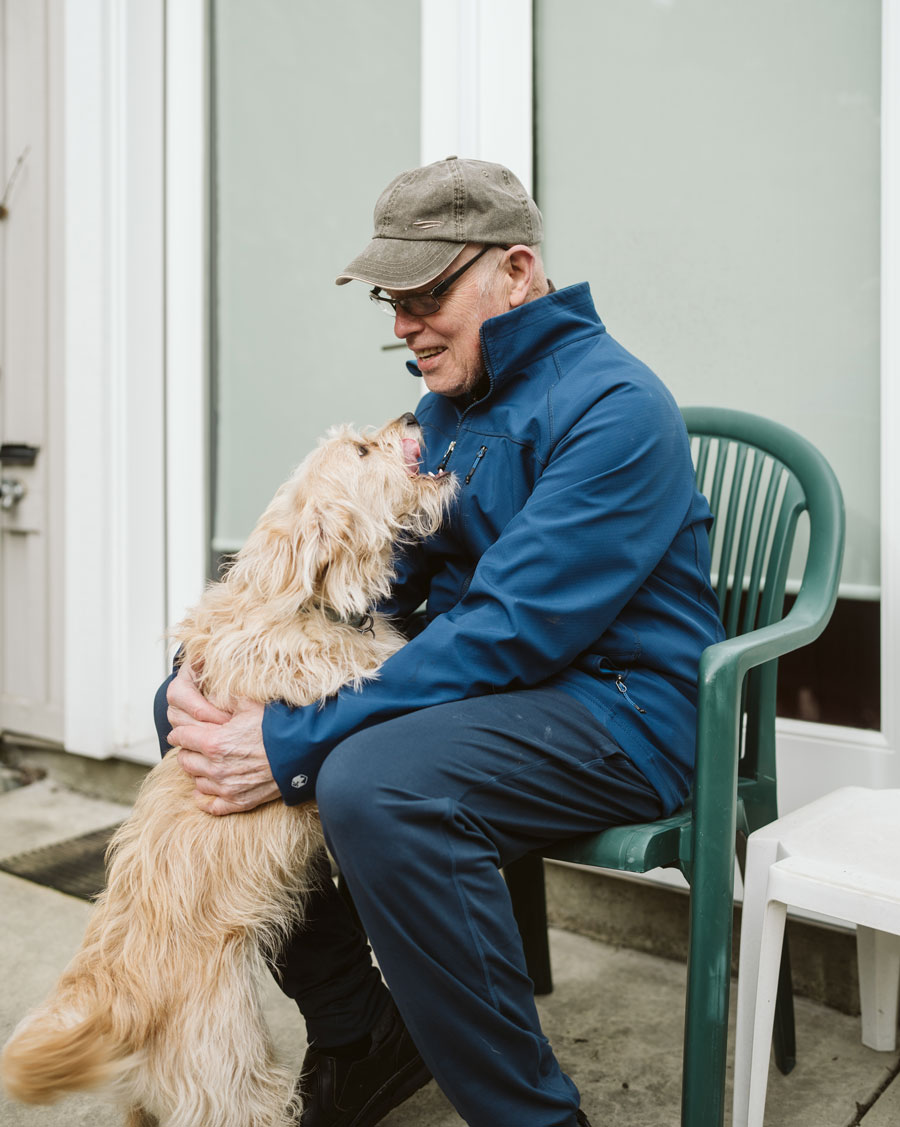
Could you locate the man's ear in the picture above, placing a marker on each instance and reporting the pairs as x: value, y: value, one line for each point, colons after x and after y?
x: 520, y: 262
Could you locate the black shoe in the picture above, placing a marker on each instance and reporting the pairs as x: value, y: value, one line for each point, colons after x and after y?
x: 581, y: 1119
x: 336, y: 1092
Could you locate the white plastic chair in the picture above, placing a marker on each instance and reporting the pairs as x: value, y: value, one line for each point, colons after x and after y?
x: 839, y: 856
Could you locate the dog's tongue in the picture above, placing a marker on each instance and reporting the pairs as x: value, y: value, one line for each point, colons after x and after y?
x: 412, y: 455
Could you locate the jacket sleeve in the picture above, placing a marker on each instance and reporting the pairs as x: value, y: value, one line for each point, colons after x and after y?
x: 409, y: 588
x: 613, y: 494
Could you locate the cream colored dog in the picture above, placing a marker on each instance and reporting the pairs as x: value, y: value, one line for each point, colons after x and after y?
x: 161, y: 1003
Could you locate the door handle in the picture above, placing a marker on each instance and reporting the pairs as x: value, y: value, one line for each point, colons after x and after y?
x: 11, y: 492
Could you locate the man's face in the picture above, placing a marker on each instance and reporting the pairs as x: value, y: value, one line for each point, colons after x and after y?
x: 446, y: 343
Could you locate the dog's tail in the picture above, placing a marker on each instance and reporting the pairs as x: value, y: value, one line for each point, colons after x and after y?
x: 52, y: 1053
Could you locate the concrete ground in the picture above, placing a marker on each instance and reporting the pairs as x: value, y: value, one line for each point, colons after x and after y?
x: 614, y: 1018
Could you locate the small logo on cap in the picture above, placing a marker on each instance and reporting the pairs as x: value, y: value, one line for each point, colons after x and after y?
x: 299, y: 781
x: 427, y: 224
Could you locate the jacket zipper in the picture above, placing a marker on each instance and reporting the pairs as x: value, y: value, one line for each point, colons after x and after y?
x: 623, y: 689
x: 446, y: 457
x: 481, y: 453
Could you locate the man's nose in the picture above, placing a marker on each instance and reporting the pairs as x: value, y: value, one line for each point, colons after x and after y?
x: 405, y: 323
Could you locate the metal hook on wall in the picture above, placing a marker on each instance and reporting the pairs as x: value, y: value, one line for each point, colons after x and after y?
x: 17, y: 168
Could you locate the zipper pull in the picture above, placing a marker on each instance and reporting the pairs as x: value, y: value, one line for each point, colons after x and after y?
x: 446, y: 457
x: 481, y: 453
x: 623, y: 689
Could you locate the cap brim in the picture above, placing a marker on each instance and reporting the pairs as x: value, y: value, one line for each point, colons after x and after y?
x: 400, y: 264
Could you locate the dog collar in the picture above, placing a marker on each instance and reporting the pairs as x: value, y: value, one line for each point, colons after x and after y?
x: 364, y: 622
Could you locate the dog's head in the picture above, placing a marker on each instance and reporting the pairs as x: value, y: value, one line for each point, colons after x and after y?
x: 332, y: 529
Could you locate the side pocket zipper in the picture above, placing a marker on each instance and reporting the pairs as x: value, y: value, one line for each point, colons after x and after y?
x: 623, y: 689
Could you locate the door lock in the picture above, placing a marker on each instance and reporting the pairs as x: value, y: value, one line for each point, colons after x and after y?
x: 11, y: 492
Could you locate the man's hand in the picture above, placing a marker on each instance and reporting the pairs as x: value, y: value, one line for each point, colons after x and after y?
x: 223, y: 752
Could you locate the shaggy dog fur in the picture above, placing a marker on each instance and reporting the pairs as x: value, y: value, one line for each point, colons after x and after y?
x: 161, y: 1003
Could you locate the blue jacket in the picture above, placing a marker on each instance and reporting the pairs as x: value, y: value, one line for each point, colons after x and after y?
x: 577, y: 555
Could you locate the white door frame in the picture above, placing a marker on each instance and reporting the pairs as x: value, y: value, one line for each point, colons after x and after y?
x: 135, y: 223
x: 477, y: 102
x: 131, y: 130
x: 187, y: 304
x: 31, y: 529
x: 108, y: 128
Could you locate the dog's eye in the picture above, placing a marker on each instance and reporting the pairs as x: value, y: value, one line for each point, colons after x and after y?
x: 362, y: 449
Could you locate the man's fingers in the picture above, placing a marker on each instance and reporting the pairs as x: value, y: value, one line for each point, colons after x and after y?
x: 187, y: 702
x: 210, y: 804
x: 177, y: 717
x: 219, y: 805
x: 202, y: 738
x: 188, y: 706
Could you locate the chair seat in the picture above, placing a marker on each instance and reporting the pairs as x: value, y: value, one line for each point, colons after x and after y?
x: 847, y: 883
x: 853, y: 831
x: 631, y: 849
x: 838, y: 856
x: 643, y: 846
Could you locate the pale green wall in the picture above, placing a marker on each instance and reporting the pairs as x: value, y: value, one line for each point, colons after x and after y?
x: 712, y: 168
x: 316, y: 109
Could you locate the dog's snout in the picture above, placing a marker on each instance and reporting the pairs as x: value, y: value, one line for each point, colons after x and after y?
x: 409, y: 419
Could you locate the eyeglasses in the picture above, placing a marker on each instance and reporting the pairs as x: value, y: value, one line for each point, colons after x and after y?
x: 423, y: 304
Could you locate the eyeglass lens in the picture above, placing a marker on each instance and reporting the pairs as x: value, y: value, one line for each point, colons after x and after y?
x: 422, y: 304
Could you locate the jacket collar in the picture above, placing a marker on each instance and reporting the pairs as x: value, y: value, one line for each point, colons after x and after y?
x: 512, y: 341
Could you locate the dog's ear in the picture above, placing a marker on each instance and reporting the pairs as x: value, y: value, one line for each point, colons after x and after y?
x: 343, y: 552
x: 277, y: 560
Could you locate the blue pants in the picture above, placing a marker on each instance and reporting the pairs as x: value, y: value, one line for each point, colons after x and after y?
x: 420, y: 813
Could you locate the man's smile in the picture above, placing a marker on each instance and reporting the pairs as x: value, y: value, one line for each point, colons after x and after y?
x: 428, y: 358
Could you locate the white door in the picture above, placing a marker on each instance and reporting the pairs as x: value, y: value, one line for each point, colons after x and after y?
x: 30, y: 676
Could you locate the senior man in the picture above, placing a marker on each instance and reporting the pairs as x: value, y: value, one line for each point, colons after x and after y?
x: 552, y: 690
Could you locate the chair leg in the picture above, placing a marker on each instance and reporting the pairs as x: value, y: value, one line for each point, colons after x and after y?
x: 761, y: 854
x: 708, y: 986
x: 878, y: 955
x: 766, y: 993
x: 525, y: 881
x: 784, y: 1036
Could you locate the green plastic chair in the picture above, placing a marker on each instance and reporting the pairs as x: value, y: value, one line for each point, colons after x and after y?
x: 758, y: 477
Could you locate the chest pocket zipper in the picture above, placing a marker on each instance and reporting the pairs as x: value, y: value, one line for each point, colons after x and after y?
x: 481, y: 453
x: 446, y: 457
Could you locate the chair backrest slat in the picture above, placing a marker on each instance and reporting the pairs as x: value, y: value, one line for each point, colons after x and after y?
x: 763, y: 540
x: 714, y: 490
x: 748, y: 530
x: 793, y: 504
x: 730, y: 512
x: 702, y: 457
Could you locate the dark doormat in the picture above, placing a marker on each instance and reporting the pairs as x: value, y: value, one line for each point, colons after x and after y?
x: 74, y: 866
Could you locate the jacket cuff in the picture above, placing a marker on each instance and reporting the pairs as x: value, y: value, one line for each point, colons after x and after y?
x: 160, y: 718
x: 294, y: 768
